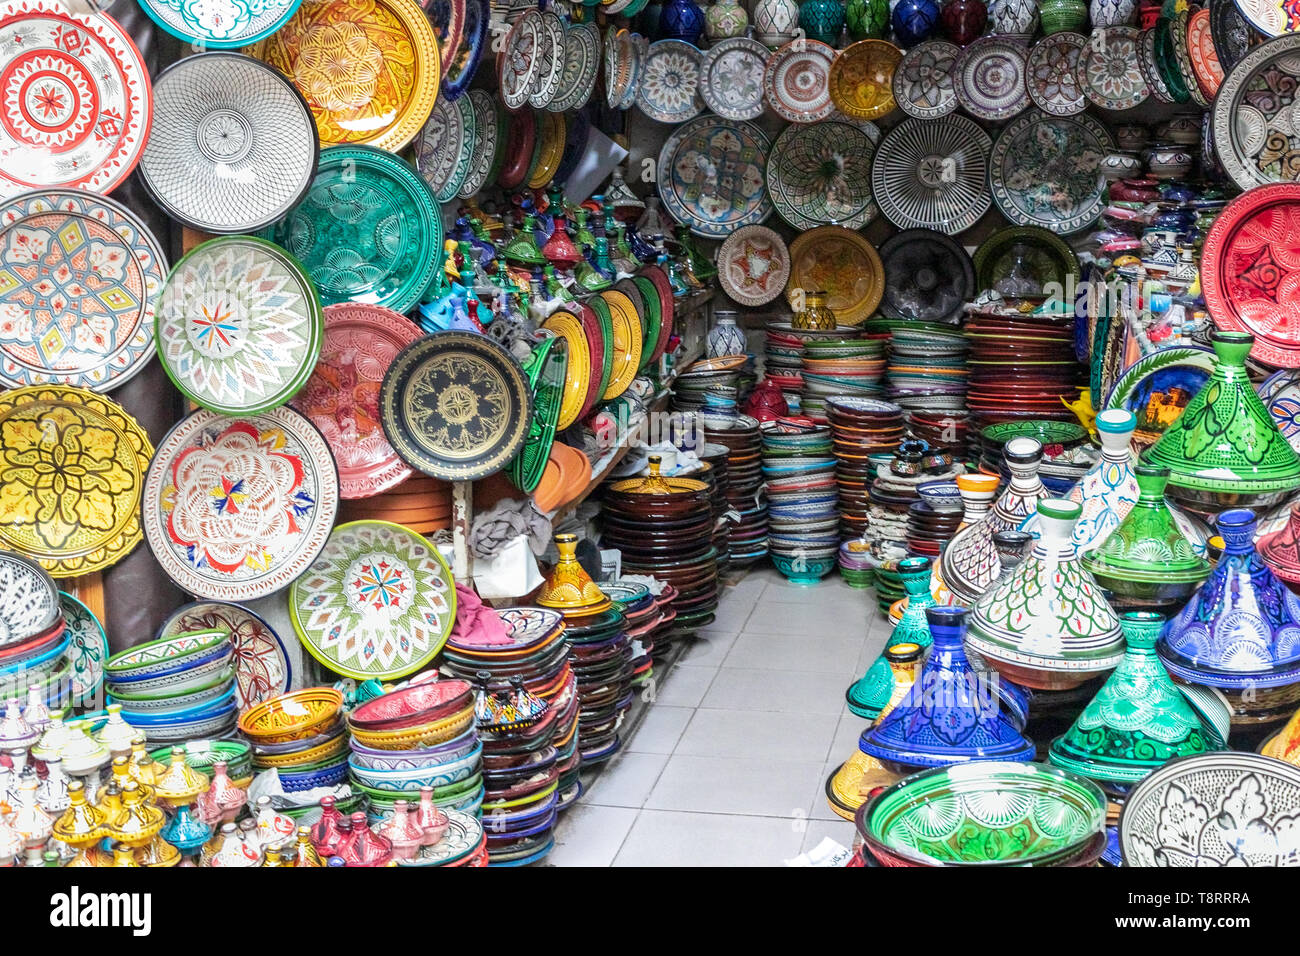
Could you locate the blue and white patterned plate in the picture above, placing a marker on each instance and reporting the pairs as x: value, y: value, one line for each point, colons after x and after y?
x: 711, y: 175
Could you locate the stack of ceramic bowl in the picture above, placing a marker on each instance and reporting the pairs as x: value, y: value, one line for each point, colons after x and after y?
x: 932, y: 521
x: 783, y: 363
x: 176, y: 688
x: 301, y: 735
x: 1021, y: 366
x: 856, y: 566
x: 747, y: 538
x: 1067, y: 451
x: 860, y: 428
x: 927, y: 368
x: 420, y: 503
x: 643, y: 621
x: 803, y: 522
x: 602, y: 661
x: 839, y: 367
x: 33, y: 634
x: 711, y: 385
x: 947, y: 431
x: 719, y: 476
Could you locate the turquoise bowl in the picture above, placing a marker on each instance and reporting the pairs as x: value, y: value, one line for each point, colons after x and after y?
x: 809, y: 571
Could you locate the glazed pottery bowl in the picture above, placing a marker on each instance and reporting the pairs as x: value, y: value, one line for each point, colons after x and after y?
x: 327, y: 776
x: 164, y: 656
x: 188, y: 705
x: 438, y: 775
x: 987, y: 813
x: 221, y: 706
x: 942, y: 496
x: 330, y: 732
x: 412, y: 706
x: 202, y: 754
x: 180, y: 682
x: 211, y: 726
x: 371, y: 758
x: 423, y: 736
x: 210, y: 689
x: 292, y: 716
x: 310, y: 755
x: 802, y: 570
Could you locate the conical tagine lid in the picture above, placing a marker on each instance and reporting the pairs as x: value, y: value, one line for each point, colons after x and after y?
x: 569, y: 588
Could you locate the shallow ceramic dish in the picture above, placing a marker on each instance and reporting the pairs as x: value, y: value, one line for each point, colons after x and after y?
x: 180, y: 681
x: 435, y: 775
x: 211, y: 727
x: 413, y: 705
x: 291, y: 716
x: 164, y: 656
x: 421, y: 737
x: 161, y: 703
x: 220, y: 706
x: 318, y: 753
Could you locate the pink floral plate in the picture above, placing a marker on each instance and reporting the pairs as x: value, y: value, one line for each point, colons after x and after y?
x: 796, y: 81
x: 262, y: 666
x: 753, y: 265
x: 237, y: 508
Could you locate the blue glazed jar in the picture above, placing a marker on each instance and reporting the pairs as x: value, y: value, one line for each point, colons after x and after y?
x: 914, y: 21
x: 681, y: 20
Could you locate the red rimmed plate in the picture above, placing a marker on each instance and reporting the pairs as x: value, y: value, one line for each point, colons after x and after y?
x: 596, y: 343
x: 521, y: 136
x: 665, y: 290
x: 1204, y: 57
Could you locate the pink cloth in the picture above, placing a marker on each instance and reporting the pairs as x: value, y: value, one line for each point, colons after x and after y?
x: 477, y: 625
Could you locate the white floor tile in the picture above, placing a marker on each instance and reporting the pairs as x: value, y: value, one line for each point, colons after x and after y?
x: 758, y: 735
x: 790, y: 692
x: 824, y: 618
x: 846, y: 737
x: 797, y: 652
x: 660, y: 729
x: 589, y: 835
x: 683, y: 686
x: 840, y: 830
x: 661, y: 838
x: 735, y: 785
x: 709, y: 648
x: 626, y: 780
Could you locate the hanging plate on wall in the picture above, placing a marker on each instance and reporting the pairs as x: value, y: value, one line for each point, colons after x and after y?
x: 1150, y: 71
x: 29, y: 601
x: 1273, y: 18
x: 668, y: 89
x: 489, y: 125
x: 577, y: 379
x: 1231, y: 32
x: 753, y: 265
x: 923, y: 80
x: 821, y: 174
x: 445, y: 147
x: 1053, y: 74
x: 990, y: 79
x: 842, y: 264
x: 447, y: 17
x: 1109, y: 72
x: 87, y: 649
x: 1045, y: 171
x: 234, y: 25
x: 519, y: 61
x: 732, y: 84
x: 928, y: 277
x: 581, y: 64
x: 861, y: 79
x: 933, y: 174
x: 796, y: 81
x: 550, y: 60
x: 1254, y: 136
x: 711, y: 178
x: 460, y: 65
x: 1205, y: 59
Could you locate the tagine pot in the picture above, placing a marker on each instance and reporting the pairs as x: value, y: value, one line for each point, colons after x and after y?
x: 963, y: 21
x: 822, y: 20
x: 569, y: 588
x: 876, y: 691
x: 724, y: 19
x: 866, y: 19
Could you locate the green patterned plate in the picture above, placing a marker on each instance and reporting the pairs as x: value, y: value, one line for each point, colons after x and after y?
x: 821, y: 174
x: 87, y: 649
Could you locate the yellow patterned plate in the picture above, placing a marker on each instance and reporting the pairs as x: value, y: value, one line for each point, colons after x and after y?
x: 841, y: 263
x: 551, y: 132
x: 862, y: 79
x: 72, y: 467
x: 627, y: 342
x: 577, y: 380
x: 369, y: 69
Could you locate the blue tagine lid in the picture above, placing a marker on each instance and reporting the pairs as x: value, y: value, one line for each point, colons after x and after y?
x: 952, y: 714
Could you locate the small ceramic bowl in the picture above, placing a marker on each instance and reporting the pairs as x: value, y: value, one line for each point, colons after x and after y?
x: 423, y: 736
x: 221, y: 689
x: 941, y: 495
x: 412, y: 706
x: 292, y: 716
x: 802, y: 570
x: 220, y: 705
x: 164, y: 656
x: 433, y: 776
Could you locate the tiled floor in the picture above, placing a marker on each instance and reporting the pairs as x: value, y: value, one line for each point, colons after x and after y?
x: 728, y: 764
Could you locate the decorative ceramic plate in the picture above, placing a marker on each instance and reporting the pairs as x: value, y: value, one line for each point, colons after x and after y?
x: 236, y: 508
x: 87, y: 649
x: 239, y: 325
x: 447, y: 17
x: 577, y: 132
x: 1053, y: 74
x: 928, y: 277
x: 842, y: 264
x: 456, y: 406
x: 262, y: 666
x: 796, y: 81
x: 669, y: 87
x: 753, y: 265
x: 233, y: 145
x: 342, y: 396
x: 517, y: 149
x: 1250, y: 271
x: 444, y: 149
x: 1273, y: 18
x: 1205, y: 59
x: 78, y: 278
x: 1150, y: 71
x: 1033, y: 255
x: 1280, y: 393
x: 463, y: 836
x: 487, y: 129
x: 378, y: 603
x: 1158, y: 384
x: 1109, y: 73
x: 71, y: 467
x: 626, y: 342
x: 1045, y: 171
x: 732, y: 81
x: 29, y: 601
x: 77, y: 102
x: 578, y: 374
x: 548, y: 149
x: 1232, y: 35
x: 460, y: 63
x: 550, y: 60
x: 369, y: 69
x: 1183, y: 59
x: 618, y: 70
x: 923, y: 79
x: 711, y: 175
x: 369, y: 229
x: 1166, y: 61
x: 933, y: 174
x: 219, y: 26
x: 581, y: 65
x: 519, y: 61
x: 821, y: 174
x: 1255, y: 135
x: 990, y: 78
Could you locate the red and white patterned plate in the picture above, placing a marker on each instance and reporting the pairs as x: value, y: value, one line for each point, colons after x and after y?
x: 796, y: 81
x: 1205, y: 59
x: 753, y: 265
x: 519, y: 62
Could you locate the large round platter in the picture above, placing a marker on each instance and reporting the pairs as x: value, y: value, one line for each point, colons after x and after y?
x: 1231, y: 32
x: 711, y: 175
x: 1052, y: 74
x: 487, y: 129
x: 1254, y: 134
x: 239, y: 325
x: 821, y: 173
x: 753, y: 265
x: 368, y: 230
x: 577, y: 131
x: 1045, y: 171
x: 923, y: 79
x: 1205, y: 59
x: 379, y: 602
x: 445, y: 148
x: 933, y: 174
x: 669, y: 87
x: 219, y: 28
x: 447, y: 17
x: 732, y: 78
x: 581, y: 65
x: 262, y: 666
x: 1250, y: 271
x: 796, y: 81
x: 550, y: 60
x: 1039, y: 251
x: 626, y: 342
x: 87, y: 648
x: 928, y: 276
x: 1165, y: 57
x: 990, y: 78
x: 78, y: 278
x: 342, y: 396
x: 861, y: 81
x: 455, y: 406
x: 236, y: 508
x: 1109, y: 73
x: 1159, y: 380
x: 1273, y: 18
x: 369, y: 71
x: 460, y: 63
x: 842, y: 264
x: 77, y: 102
x: 233, y: 145
x: 71, y: 466
x: 577, y: 380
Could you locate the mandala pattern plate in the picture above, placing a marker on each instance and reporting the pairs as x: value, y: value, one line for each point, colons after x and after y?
x: 796, y: 81
x: 1205, y: 59
x: 844, y: 265
x: 1256, y: 135
x: 77, y: 102
x: 1109, y: 72
x: 369, y: 69
x: 711, y: 175
x: 1045, y: 171
x: 78, y: 279
x: 239, y: 325
x: 460, y: 63
x: 581, y: 65
x: 487, y: 130
x: 233, y: 145
x: 1250, y: 271
x: 991, y: 78
x: 29, y: 601
x: 518, y: 63
x: 369, y: 229
x: 237, y: 508
x: 732, y: 84
x: 1053, y: 74
x: 861, y: 81
x: 439, y: 149
x: 753, y: 265
x: 669, y: 87
x: 456, y: 406
x: 71, y: 466
x: 821, y: 174
x: 342, y: 396
x: 923, y: 80
x: 87, y: 649
x: 220, y: 24
x: 378, y: 603
x: 933, y: 174
x: 262, y: 667
x: 550, y: 60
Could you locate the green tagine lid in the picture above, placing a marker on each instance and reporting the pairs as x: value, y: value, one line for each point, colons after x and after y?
x: 1138, y: 720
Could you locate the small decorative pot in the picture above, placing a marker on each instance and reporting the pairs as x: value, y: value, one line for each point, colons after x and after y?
x: 816, y: 316
x: 1131, y: 137
x: 1058, y: 16
x: 1112, y: 13
x: 726, y: 338
x: 914, y: 21
x: 1169, y: 162
x: 681, y: 20
x: 1118, y: 165
x: 726, y: 18
x: 822, y: 20
x: 1017, y: 19
x: 775, y: 22
x: 867, y: 19
x: 963, y: 21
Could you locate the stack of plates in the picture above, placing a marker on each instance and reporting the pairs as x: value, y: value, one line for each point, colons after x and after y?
x: 602, y: 662
x: 34, y: 637
x: 784, y: 351
x: 747, y: 538
x: 302, y: 736
x: 718, y: 477
x: 712, y: 385
x: 927, y: 367
x: 860, y: 427
x: 644, y: 622
x: 176, y: 688
x: 839, y: 367
x: 1067, y: 451
x: 803, y: 522
x: 932, y: 521
x: 420, y: 503
x: 944, y: 431
x: 1021, y: 366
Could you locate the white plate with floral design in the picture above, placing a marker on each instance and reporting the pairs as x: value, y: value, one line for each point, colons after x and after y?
x: 753, y: 265
x: 1110, y: 73
x: 1054, y: 74
x: 669, y: 86
x: 990, y: 79
x: 733, y: 78
x: 797, y: 79
x: 923, y: 81
x: 550, y: 60
x: 519, y: 61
